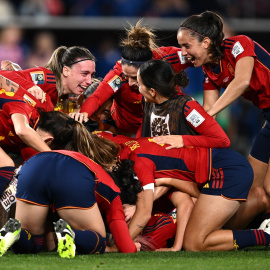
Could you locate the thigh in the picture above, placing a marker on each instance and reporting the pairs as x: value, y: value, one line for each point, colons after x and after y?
x: 84, y: 219
x: 32, y: 217
x: 259, y: 169
x: 209, y: 214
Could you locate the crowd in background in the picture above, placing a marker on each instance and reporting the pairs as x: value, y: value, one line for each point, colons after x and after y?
x: 241, y: 121
x: 168, y: 8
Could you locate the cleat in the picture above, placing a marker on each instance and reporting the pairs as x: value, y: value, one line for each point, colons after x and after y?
x: 65, y: 236
x: 264, y: 224
x: 9, y: 234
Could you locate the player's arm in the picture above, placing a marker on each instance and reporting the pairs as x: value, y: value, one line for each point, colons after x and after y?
x: 188, y: 187
x: 29, y: 136
x: 240, y: 83
x: 210, y: 133
x: 106, y: 89
x: 184, y: 206
x: 143, y: 212
x: 119, y: 229
x: 10, y: 81
x: 209, y: 98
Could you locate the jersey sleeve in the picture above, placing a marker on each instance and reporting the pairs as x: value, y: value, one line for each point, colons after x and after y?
x: 240, y: 46
x: 210, y: 133
x: 144, y: 169
x: 172, y: 55
x: 119, y: 228
x: 106, y: 89
x: 16, y: 77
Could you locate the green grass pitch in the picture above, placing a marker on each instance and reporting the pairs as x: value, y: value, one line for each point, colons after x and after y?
x: 252, y: 258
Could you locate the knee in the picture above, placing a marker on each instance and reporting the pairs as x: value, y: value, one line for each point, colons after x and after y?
x: 193, y: 243
x: 261, y: 197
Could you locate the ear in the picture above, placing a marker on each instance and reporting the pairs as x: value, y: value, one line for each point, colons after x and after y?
x: 65, y: 71
x: 206, y: 42
x: 48, y: 139
x: 152, y: 92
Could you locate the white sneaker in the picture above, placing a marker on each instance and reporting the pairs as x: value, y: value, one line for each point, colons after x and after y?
x: 263, y: 224
x: 65, y: 236
x: 9, y: 234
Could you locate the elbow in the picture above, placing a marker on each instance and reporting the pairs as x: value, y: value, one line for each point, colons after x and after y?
x: 22, y: 132
x: 226, y: 143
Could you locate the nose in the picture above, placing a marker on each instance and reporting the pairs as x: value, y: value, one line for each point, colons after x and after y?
x: 184, y: 52
x: 132, y: 82
x: 88, y: 79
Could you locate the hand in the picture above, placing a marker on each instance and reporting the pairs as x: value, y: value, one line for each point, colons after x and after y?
x: 8, y: 65
x: 129, y: 211
x: 138, y: 246
x: 79, y: 116
x: 176, y: 141
x: 38, y: 93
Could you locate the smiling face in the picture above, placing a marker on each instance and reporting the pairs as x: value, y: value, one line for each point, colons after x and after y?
x: 192, y: 49
x: 130, y: 73
x: 146, y: 92
x: 78, y: 77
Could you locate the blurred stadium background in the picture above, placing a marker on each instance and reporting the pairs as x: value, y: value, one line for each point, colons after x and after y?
x: 30, y: 30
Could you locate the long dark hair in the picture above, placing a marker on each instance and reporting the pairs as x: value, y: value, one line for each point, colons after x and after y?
x: 126, y: 179
x: 72, y: 135
x: 159, y: 74
x: 207, y: 24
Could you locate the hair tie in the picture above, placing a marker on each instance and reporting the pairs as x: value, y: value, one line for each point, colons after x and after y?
x: 70, y: 120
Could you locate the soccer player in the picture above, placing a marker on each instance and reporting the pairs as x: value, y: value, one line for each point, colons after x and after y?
x: 69, y: 71
x: 62, y: 132
x: 224, y: 177
x: 121, y: 82
x: 166, y: 112
x: 240, y: 66
x: 78, y: 193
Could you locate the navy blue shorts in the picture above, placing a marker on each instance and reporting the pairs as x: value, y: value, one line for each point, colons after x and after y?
x: 51, y: 177
x: 261, y: 146
x: 231, y: 176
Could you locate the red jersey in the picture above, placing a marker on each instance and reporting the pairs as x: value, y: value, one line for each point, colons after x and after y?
x: 153, y: 161
x: 236, y: 48
x: 39, y: 76
x: 109, y: 202
x: 127, y: 108
x: 24, y: 103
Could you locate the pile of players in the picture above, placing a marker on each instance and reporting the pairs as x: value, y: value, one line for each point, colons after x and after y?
x: 157, y: 173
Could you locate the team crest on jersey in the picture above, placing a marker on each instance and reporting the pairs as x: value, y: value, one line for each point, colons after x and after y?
x: 182, y: 58
x: 159, y: 125
x: 237, y: 49
x: 195, y: 118
x: 115, y: 83
x: 38, y: 77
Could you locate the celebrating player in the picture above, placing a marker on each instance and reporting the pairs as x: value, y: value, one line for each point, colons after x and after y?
x: 240, y: 66
x: 121, y: 82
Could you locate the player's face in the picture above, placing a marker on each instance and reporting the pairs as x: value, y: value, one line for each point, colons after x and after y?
x: 78, y: 77
x: 144, y: 90
x: 103, y: 112
x: 192, y: 49
x: 130, y: 73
